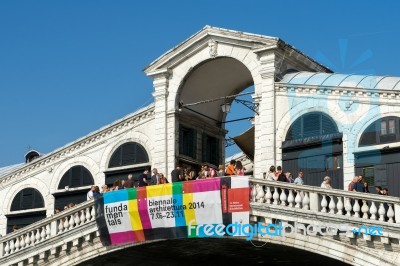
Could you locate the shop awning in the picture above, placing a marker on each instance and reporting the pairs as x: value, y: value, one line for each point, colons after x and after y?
x: 245, y: 141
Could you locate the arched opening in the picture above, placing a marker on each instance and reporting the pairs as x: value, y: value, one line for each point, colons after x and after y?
x: 202, y: 122
x: 380, y: 167
x: 26, y: 208
x: 31, y: 155
x: 128, y: 158
x: 313, y: 145
x: 210, y: 251
x: 73, y: 187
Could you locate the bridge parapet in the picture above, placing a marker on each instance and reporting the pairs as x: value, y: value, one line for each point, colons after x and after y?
x: 274, y: 202
x: 386, y: 209
x: 71, y: 236
x: 38, y: 237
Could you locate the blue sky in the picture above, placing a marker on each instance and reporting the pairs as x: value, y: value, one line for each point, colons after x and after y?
x: 70, y: 67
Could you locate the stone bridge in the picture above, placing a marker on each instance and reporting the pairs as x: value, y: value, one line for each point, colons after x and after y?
x: 71, y: 237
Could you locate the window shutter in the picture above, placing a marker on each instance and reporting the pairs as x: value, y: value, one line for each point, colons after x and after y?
x: 128, y: 154
x: 181, y: 142
x: 194, y: 145
x: 26, y: 199
x: 76, y: 176
x: 311, y: 125
x: 327, y: 126
x: 204, y: 147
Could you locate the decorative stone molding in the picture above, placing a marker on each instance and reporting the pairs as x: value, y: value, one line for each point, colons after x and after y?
x: 30, y: 183
x: 79, y: 146
x: 160, y: 81
x: 131, y: 136
x: 62, y: 168
x: 213, y: 48
x: 342, y: 91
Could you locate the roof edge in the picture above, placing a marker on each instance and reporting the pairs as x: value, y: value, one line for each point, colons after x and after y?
x: 70, y: 144
x: 205, y: 31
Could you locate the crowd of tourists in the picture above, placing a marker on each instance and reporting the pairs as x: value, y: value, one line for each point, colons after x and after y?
x: 358, y: 184
x: 179, y: 174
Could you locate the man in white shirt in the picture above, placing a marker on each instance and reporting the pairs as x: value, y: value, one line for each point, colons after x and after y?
x: 89, y: 195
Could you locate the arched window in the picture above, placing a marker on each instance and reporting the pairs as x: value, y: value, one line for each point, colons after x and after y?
x: 381, y: 131
x: 28, y: 198
x: 76, y: 176
x: 311, y: 125
x: 128, y: 154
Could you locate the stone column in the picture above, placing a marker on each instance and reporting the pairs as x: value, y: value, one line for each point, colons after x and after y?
x: 265, y: 140
x: 172, y: 147
x: 348, y: 159
x: 160, y: 155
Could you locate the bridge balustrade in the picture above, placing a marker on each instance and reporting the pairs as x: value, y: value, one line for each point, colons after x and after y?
x: 71, y: 236
x: 365, y: 206
x: 48, y: 228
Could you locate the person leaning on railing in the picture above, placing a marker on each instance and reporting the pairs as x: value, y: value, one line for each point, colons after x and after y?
x: 270, y: 176
x: 358, y: 185
x: 326, y: 183
x: 299, y: 179
x: 366, y: 186
x: 221, y: 171
x: 162, y: 179
x: 239, y: 169
x: 230, y: 169
x: 352, y: 183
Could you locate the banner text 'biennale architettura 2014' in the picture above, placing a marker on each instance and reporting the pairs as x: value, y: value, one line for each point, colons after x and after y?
x: 176, y: 210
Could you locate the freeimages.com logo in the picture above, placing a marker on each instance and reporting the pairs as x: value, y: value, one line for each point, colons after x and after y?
x: 253, y: 230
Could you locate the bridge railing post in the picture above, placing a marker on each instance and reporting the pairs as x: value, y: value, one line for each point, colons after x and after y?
x: 397, y: 213
x: 53, y: 228
x: 314, y: 201
x: 1, y: 249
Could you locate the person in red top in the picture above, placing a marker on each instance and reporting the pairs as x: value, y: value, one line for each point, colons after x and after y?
x: 230, y: 170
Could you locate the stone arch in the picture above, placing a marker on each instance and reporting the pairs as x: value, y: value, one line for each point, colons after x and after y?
x: 181, y: 72
x: 358, y: 129
x: 85, y: 161
x: 340, y: 251
x: 28, y: 183
x: 131, y: 136
x: 313, y: 160
x: 299, y: 110
x: 243, y: 56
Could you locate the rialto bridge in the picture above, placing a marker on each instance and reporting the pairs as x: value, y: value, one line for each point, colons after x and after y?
x: 307, y: 119
x: 71, y: 237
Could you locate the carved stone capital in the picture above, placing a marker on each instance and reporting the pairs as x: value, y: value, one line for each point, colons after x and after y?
x: 160, y: 73
x: 268, y: 73
x: 160, y: 79
x: 160, y: 94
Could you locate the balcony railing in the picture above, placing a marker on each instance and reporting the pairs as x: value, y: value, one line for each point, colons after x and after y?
x: 334, y: 201
x: 48, y: 228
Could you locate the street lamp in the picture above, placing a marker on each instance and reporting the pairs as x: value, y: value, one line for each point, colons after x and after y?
x: 226, y: 107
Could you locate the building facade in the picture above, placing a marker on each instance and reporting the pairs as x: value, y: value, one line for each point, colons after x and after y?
x: 308, y: 119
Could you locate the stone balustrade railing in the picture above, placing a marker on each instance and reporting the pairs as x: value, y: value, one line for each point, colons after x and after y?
x: 47, y: 228
x: 367, y: 206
